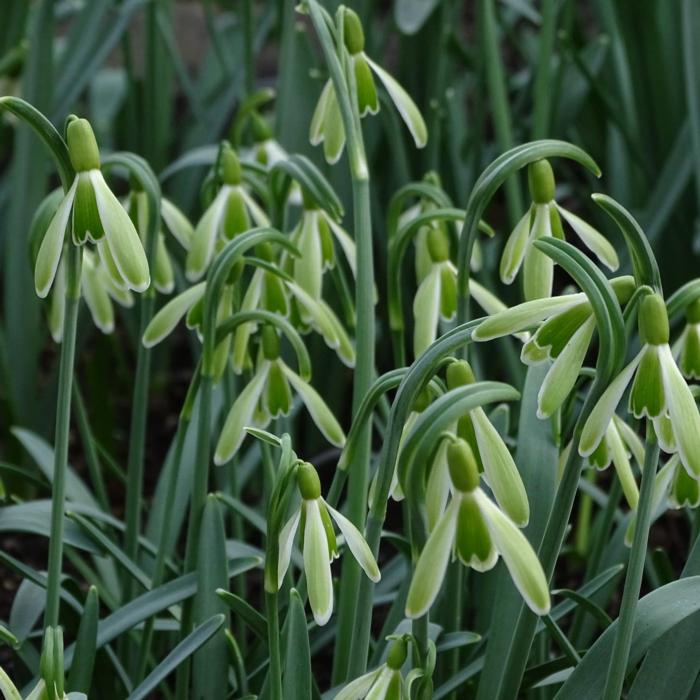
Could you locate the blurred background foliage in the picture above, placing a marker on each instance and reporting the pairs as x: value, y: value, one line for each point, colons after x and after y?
x: 165, y: 77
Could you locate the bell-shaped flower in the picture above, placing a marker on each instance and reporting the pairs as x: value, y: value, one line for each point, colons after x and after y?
x: 659, y: 392
x: 563, y: 338
x: 475, y: 530
x: 232, y: 211
x: 326, y: 122
x: 269, y: 394
x: 687, y: 347
x: 266, y: 150
x: 543, y: 220
x: 175, y: 222
x: 319, y: 544
x: 384, y: 682
x: 94, y: 214
x: 164, y: 322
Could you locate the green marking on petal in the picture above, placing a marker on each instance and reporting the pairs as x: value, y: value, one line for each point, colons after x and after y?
x: 96, y: 297
x: 647, y: 395
x: 356, y: 544
x: 514, y: 250
x: 622, y: 465
x: 426, y: 311
x: 538, y: 268
x: 473, y: 541
x: 317, y: 566
x: 689, y: 360
x: 685, y: 490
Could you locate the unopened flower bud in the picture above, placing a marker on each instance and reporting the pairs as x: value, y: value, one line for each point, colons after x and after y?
x: 308, y: 482
x: 459, y: 373
x: 397, y: 654
x: 261, y: 128
x: 541, y: 181
x: 462, y: 465
x: 270, y: 343
x: 653, y: 320
x: 308, y: 200
x: 423, y: 400
x: 623, y: 287
x: 692, y: 312
x: 229, y: 165
x: 353, y: 32
x: 82, y: 146
x: 438, y: 244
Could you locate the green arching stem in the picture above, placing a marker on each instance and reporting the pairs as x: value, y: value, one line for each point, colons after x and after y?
x: 364, y: 305
x: 74, y: 259
x: 617, y: 670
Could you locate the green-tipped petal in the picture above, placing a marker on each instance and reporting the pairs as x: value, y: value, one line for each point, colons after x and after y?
x: 333, y: 130
x: 244, y: 331
x: 286, y: 544
x: 404, y: 104
x: 500, y: 470
x: 258, y: 216
x: 432, y: 563
x: 689, y: 360
x: 57, y: 305
x: 177, y: 223
x: 602, y: 413
x: 345, y: 242
x: 320, y: 413
x: 595, y: 241
x: 664, y: 434
x: 514, y: 250
x: 358, y: 689
x: 437, y: 490
x: 488, y: 301
x: 682, y: 411
x: 318, y: 119
x: 201, y: 249
x: 384, y: 687
x: 52, y: 245
x: 345, y: 349
x: 121, y: 236
x: 538, y: 268
x: 110, y: 266
x: 96, y: 297
x: 163, y: 277
x: 314, y: 313
x: 685, y: 490
x: 630, y: 439
x: 164, y: 322
x: 426, y: 311
x: 473, y: 541
x: 317, y: 565
x: 308, y: 266
x: 240, y: 415
x: 647, y: 395
x: 618, y: 455
x: 518, y: 555
x: 562, y: 375
x: 356, y: 544
x: 523, y: 316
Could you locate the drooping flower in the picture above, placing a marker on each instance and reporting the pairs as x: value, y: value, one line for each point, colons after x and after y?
x: 563, y: 337
x: 543, y: 220
x: 326, y: 123
x: 659, y: 392
x: 384, y: 682
x: 232, y: 211
x: 94, y: 215
x: 687, y: 347
x: 269, y: 394
x: 478, y: 532
x: 320, y: 546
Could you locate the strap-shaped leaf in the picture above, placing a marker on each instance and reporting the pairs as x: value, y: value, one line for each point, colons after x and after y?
x: 246, y: 612
x: 488, y: 183
x: 646, y: 270
x: 682, y: 297
x: 80, y: 676
x: 297, y: 667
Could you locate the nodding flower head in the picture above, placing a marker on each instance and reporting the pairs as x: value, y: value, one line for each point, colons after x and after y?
x: 687, y: 348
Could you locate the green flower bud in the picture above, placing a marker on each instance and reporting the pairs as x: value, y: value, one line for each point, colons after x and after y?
x: 236, y: 219
x: 423, y: 400
x: 270, y: 343
x: 229, y: 165
x: 438, y: 244
x: 82, y: 146
x: 261, y: 128
x: 462, y: 465
x: 692, y: 312
x: 459, y: 373
x: 353, y: 32
x: 653, y: 320
x: 397, y: 654
x: 86, y: 217
x: 540, y: 180
x: 308, y: 482
x: 308, y: 200
x: 623, y: 287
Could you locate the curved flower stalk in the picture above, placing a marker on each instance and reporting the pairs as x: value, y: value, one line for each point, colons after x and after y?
x: 232, y: 211
x: 543, y: 220
x: 174, y: 222
x: 326, y: 123
x: 269, y: 394
x: 320, y: 547
x: 659, y: 392
x: 386, y: 682
x: 475, y: 530
x: 95, y: 216
x: 563, y: 337
x: 687, y: 347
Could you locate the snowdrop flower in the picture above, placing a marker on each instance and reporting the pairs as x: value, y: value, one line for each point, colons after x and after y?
x: 687, y: 347
x: 233, y: 211
x: 685, y: 488
x: 563, y: 338
x: 620, y: 442
x: 174, y: 222
x: 477, y: 531
x: 319, y: 544
x: 269, y: 394
x: 658, y: 392
x: 540, y: 221
x: 96, y: 216
x: 266, y: 149
x: 384, y: 682
x: 326, y: 123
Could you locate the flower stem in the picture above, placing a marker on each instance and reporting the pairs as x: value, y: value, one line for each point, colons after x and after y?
x: 65, y: 386
x: 273, y: 640
x: 633, y: 581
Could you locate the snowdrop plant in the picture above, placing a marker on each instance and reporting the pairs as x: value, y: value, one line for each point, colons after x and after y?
x: 687, y: 347
x: 313, y: 518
